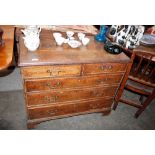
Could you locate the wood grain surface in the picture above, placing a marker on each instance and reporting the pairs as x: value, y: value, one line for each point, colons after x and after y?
x: 6, y: 51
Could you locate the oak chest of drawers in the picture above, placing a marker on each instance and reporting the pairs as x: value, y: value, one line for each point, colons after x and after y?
x: 60, y: 81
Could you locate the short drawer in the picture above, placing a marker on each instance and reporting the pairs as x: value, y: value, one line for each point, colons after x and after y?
x: 50, y: 71
x: 66, y: 109
x: 72, y: 82
x: 103, y: 68
x: 51, y: 97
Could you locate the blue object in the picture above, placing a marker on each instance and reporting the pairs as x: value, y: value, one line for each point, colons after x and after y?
x: 101, y: 36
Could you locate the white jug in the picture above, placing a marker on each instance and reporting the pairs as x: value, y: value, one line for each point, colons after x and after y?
x: 32, y: 29
x: 32, y: 42
x: 31, y: 38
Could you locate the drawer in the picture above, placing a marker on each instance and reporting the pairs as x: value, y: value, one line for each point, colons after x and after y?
x: 103, y: 68
x: 51, y: 97
x: 50, y: 71
x: 72, y: 82
x: 66, y: 109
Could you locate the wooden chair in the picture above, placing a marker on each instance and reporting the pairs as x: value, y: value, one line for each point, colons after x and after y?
x: 140, y: 80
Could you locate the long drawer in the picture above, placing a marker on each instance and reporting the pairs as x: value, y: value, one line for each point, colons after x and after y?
x: 71, y: 82
x: 51, y: 71
x: 103, y: 68
x: 64, y: 109
x: 50, y: 97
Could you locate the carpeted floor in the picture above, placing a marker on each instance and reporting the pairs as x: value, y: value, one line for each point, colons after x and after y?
x: 13, y: 114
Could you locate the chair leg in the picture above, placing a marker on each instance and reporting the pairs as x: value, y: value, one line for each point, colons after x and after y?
x: 145, y: 104
x: 141, y: 98
x: 115, y: 105
x: 122, y: 86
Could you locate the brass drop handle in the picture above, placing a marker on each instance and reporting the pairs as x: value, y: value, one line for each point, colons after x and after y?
x: 58, y: 84
x: 52, y: 112
x: 97, y: 94
x: 51, y: 72
x: 103, y: 67
x: 49, y: 85
x: 94, y: 106
x: 101, y: 81
x: 50, y: 99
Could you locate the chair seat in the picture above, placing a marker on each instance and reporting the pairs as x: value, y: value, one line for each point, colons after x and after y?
x: 138, y: 87
x: 150, y: 82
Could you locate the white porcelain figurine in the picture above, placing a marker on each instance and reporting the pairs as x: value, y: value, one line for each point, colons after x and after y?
x: 70, y: 34
x: 81, y: 35
x: 74, y: 43
x: 85, y: 41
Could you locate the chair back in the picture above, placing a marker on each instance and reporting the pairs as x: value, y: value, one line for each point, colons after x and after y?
x: 143, y: 68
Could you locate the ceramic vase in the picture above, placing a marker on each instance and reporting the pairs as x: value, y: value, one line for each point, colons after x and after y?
x: 101, y: 36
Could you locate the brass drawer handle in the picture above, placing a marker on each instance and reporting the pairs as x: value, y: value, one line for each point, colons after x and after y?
x: 101, y: 81
x: 94, y: 106
x: 50, y: 72
x: 97, y: 94
x: 52, y: 112
x: 103, y: 67
x: 50, y: 99
x: 53, y: 72
x: 48, y: 84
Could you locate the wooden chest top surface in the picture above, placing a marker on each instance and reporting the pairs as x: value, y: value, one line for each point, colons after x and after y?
x: 49, y: 53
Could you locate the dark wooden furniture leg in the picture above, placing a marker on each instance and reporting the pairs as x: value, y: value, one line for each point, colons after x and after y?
x: 145, y: 104
x: 106, y: 113
x: 121, y: 89
x: 31, y: 125
x: 141, y: 99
